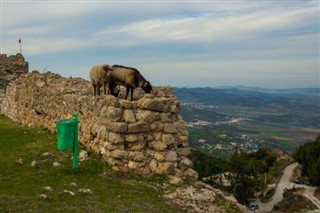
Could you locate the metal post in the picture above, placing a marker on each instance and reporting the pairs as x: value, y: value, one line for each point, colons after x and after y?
x: 75, y: 142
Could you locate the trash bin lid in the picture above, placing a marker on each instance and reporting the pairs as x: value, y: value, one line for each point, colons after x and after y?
x: 65, y: 122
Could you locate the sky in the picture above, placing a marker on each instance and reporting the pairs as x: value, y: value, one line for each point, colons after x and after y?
x: 268, y: 44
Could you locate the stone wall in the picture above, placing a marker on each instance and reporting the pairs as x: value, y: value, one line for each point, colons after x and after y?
x: 11, y: 67
x: 13, y: 64
x: 145, y: 136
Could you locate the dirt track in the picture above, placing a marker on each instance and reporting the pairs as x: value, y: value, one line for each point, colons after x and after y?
x: 286, y: 184
x: 283, y: 184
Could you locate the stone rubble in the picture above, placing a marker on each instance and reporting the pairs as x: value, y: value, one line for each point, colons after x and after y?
x: 200, y: 198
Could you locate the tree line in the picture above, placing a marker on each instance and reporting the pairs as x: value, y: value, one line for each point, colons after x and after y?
x: 243, y: 174
x: 308, y: 156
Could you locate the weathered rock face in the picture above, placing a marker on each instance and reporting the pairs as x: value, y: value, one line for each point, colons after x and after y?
x: 146, y: 136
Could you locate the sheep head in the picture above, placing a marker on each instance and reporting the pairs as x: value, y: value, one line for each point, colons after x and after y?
x: 147, y: 88
x: 107, y: 68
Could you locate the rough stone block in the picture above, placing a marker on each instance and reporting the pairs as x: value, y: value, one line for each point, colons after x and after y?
x: 158, y: 145
x: 114, y: 114
x: 138, y: 127
x: 171, y: 156
x: 185, y: 163
x: 136, y: 146
x: 131, y: 138
x: 156, y: 104
x: 119, y: 154
x: 170, y: 128
x: 146, y: 116
x: 115, y: 138
x: 165, y: 168
x: 159, y: 156
x: 118, y: 127
x: 128, y: 116
x: 168, y: 139
x: 190, y: 174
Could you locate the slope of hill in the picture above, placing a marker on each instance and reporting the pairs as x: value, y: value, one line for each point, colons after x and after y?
x: 36, y: 177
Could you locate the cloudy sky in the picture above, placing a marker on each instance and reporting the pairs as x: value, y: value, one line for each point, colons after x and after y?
x: 271, y: 44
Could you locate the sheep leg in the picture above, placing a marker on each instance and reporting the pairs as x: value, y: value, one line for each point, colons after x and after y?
x: 98, y: 88
x: 94, y: 90
x: 131, y: 93
x: 111, y: 86
x: 105, y: 89
x: 127, y: 91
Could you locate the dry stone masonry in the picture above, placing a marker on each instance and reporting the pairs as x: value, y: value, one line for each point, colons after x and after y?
x: 145, y: 136
x: 10, y: 68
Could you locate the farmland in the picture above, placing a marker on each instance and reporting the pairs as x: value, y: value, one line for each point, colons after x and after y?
x: 221, y: 118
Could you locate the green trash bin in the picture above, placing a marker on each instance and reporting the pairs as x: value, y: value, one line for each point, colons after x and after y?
x: 68, y: 137
x: 65, y: 129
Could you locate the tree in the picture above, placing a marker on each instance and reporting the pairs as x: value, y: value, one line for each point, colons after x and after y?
x: 208, y: 167
x: 243, y: 177
x: 308, y: 155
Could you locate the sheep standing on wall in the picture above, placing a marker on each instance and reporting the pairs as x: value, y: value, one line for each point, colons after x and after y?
x: 128, y: 77
x: 98, y: 77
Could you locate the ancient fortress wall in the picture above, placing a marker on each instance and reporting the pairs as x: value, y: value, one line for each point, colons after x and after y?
x: 146, y: 136
x: 10, y: 68
x: 13, y: 64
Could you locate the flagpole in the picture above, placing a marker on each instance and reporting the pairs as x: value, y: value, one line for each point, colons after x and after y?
x: 20, y: 46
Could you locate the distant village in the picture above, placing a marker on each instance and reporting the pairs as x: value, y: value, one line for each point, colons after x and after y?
x: 228, y: 142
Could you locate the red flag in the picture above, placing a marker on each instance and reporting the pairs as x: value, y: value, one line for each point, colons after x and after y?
x: 20, y: 41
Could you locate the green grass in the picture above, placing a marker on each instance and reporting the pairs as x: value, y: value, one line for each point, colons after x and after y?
x: 21, y: 185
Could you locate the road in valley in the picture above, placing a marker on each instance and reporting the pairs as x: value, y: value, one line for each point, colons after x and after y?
x: 286, y: 184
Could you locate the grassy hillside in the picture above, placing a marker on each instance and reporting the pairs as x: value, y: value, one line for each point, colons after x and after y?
x: 94, y: 188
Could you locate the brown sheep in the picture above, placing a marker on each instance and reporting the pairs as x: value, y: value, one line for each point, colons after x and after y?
x: 128, y: 77
x: 98, y: 77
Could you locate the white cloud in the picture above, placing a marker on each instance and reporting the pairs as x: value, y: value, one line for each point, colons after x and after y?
x: 209, y: 28
x: 231, y: 37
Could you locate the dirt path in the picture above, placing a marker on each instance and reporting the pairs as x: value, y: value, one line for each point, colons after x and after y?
x: 286, y: 184
x: 309, y: 193
x: 283, y: 184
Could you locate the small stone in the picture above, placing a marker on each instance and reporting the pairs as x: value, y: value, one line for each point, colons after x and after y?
x: 47, y: 154
x: 44, y: 196
x: 191, y: 174
x: 83, y: 155
x: 85, y: 191
x: 175, y: 180
x: 47, y: 188
x: 19, y: 161
x: 56, y: 164
x: 34, y: 164
x: 69, y: 192
x: 73, y: 184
